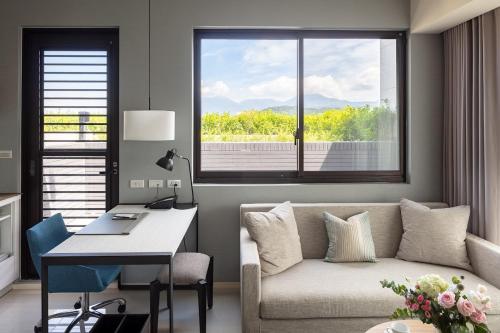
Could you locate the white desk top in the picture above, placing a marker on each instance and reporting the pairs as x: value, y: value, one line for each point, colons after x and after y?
x: 159, y: 231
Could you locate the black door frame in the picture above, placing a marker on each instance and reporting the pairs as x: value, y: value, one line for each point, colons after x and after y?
x: 35, y: 40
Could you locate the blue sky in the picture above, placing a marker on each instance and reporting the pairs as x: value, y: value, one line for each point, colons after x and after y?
x: 243, y: 69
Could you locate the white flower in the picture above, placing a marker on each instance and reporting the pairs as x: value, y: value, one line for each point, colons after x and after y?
x: 481, y: 289
x: 479, y: 299
x: 432, y: 284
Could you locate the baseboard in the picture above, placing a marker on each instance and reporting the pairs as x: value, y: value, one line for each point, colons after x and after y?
x: 220, y: 286
x: 35, y: 285
x: 226, y: 285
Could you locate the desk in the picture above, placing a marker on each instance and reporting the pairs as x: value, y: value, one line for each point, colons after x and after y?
x: 153, y: 241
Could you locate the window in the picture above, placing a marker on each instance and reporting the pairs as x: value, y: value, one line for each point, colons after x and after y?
x: 299, y: 106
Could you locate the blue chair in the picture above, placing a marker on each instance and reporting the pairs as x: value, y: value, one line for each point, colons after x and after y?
x: 42, y: 238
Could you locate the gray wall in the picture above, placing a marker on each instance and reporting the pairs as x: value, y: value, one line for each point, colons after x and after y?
x: 172, y: 24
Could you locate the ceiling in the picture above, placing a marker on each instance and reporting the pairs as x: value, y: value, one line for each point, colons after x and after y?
x: 435, y: 16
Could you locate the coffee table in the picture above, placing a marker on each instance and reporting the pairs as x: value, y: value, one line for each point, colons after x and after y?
x: 416, y: 326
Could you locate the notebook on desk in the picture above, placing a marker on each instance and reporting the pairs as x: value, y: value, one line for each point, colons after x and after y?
x: 112, y: 224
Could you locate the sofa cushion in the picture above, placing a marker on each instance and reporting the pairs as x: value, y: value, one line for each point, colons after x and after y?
x: 385, y: 221
x: 277, y: 238
x: 317, y: 289
x: 435, y: 236
x: 351, y: 240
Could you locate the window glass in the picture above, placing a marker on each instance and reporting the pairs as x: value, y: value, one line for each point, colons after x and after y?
x: 248, y: 104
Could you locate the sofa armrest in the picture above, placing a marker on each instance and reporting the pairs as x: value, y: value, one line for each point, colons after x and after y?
x: 485, y: 259
x: 250, y: 283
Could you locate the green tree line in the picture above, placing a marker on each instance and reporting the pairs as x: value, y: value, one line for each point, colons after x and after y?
x: 346, y: 124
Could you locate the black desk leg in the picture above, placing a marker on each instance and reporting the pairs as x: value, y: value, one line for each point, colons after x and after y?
x: 171, y: 298
x: 154, y: 304
x: 45, y: 297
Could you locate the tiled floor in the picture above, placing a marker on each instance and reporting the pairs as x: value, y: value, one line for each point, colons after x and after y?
x: 20, y: 309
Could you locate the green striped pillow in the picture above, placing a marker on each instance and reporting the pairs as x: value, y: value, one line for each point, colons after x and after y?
x: 350, y: 240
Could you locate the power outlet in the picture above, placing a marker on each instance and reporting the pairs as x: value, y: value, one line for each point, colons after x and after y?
x: 137, y: 183
x: 171, y: 183
x: 155, y: 183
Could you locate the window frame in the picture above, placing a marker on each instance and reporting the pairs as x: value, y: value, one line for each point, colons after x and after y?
x: 300, y: 176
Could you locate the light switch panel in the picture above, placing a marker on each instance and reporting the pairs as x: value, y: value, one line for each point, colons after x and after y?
x: 137, y: 183
x: 5, y: 153
x: 155, y: 183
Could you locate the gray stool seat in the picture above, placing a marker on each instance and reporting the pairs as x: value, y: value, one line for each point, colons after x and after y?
x: 192, y: 271
x: 189, y: 268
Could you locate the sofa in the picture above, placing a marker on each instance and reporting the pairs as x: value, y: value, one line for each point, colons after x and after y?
x: 317, y: 296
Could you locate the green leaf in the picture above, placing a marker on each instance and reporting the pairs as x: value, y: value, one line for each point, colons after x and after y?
x: 481, y: 328
x: 457, y: 328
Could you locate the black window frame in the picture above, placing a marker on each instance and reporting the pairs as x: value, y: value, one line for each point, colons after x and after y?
x: 300, y: 176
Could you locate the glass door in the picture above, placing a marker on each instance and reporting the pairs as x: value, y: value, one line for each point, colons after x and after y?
x: 70, y: 127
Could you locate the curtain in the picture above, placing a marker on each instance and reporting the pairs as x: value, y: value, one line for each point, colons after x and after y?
x: 471, y: 160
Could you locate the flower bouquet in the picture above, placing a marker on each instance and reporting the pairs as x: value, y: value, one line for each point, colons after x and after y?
x: 445, y: 305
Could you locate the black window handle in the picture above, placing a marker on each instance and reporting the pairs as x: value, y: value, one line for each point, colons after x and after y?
x: 296, y: 136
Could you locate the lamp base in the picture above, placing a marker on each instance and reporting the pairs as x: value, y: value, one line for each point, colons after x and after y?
x: 163, y: 203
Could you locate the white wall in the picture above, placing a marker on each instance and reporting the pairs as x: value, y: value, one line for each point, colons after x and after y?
x: 172, y: 24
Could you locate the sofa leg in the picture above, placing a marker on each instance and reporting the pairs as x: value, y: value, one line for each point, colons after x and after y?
x: 154, y: 304
x: 202, y: 305
x: 210, y: 283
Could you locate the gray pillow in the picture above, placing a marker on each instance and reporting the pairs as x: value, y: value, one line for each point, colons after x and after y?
x: 277, y: 238
x: 351, y: 240
x: 435, y: 236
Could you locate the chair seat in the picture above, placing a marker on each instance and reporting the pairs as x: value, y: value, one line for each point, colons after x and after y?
x: 189, y: 268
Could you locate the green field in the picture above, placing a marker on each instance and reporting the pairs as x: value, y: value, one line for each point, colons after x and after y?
x: 346, y: 124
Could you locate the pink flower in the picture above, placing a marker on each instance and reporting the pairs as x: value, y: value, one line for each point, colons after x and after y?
x: 478, y: 317
x: 427, y: 314
x: 426, y: 306
x: 408, y: 302
x: 446, y: 299
x: 414, y: 307
x: 465, y: 307
x: 420, y: 299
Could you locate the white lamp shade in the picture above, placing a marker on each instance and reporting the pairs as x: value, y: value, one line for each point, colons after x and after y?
x: 149, y: 125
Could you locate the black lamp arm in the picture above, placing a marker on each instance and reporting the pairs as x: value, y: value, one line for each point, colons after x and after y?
x: 190, y: 178
x: 190, y: 175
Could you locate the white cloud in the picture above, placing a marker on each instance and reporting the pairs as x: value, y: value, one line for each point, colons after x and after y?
x: 270, y: 53
x: 281, y: 88
x: 363, y: 87
x: 218, y: 88
x: 323, y: 85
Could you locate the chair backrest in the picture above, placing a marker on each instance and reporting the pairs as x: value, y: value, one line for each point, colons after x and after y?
x: 44, y: 236
x: 385, y: 221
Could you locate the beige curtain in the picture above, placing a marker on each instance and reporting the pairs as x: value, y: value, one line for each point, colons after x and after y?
x: 472, y: 121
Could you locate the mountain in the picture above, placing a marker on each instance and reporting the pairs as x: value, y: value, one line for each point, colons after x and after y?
x: 317, y: 101
x: 313, y: 103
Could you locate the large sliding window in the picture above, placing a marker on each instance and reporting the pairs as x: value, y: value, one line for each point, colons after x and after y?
x: 299, y: 106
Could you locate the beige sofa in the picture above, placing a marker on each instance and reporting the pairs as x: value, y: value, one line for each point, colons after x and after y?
x: 316, y: 296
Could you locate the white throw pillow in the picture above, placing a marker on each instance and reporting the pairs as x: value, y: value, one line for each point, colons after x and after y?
x: 435, y: 236
x: 351, y: 240
x: 277, y: 238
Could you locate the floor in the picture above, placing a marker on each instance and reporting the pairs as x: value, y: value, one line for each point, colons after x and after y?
x: 20, y: 309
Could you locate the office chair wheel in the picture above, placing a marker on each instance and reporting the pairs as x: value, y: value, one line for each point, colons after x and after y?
x: 38, y: 329
x: 122, y: 308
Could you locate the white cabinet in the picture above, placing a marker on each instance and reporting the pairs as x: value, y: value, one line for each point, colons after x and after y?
x: 9, y: 240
